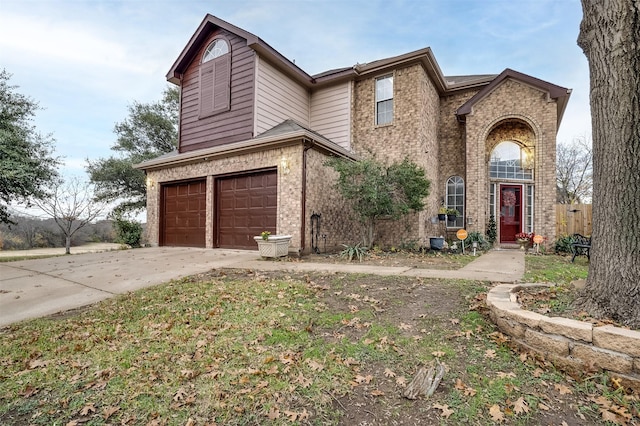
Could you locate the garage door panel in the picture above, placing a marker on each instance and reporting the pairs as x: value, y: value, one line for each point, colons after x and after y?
x: 184, y: 214
x: 251, y: 211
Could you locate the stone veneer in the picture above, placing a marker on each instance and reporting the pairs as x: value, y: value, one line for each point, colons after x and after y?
x: 571, y: 345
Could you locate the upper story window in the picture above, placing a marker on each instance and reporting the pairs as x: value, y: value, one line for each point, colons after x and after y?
x: 384, y: 100
x: 218, y: 48
x: 215, y: 78
x: 455, y: 200
x: 511, y: 161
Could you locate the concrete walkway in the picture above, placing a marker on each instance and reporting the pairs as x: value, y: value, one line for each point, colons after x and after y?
x: 40, y: 287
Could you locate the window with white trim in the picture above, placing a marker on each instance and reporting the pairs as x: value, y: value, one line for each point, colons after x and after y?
x: 455, y: 200
x: 215, y: 78
x: 384, y: 100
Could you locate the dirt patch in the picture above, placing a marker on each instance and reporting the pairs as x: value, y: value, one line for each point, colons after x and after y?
x: 435, y: 310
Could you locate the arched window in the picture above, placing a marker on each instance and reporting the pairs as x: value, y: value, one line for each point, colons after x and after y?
x: 511, y: 161
x: 217, y: 48
x: 215, y: 78
x: 455, y: 200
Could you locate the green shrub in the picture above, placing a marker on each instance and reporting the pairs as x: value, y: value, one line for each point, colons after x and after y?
x: 563, y: 245
x: 127, y: 231
x: 353, y: 251
x: 477, y: 237
x: 492, y: 230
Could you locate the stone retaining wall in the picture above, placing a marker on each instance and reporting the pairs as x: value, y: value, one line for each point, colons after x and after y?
x: 569, y: 344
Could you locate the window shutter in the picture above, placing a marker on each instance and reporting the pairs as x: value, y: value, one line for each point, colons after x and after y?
x: 206, y: 88
x: 221, y: 83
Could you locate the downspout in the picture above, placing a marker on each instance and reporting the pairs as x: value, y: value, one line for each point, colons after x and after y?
x: 306, y: 145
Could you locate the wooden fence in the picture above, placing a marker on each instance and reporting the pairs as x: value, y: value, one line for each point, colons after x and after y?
x: 573, y: 218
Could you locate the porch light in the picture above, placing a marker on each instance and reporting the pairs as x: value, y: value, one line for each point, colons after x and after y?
x: 284, y: 165
x: 526, y: 157
x: 150, y: 183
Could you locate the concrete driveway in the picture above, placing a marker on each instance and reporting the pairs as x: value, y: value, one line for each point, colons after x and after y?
x: 39, y: 287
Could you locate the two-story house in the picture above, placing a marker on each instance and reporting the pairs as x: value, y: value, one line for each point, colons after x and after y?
x: 256, y: 131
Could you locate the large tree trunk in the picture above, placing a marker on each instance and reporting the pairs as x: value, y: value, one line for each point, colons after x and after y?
x: 610, y: 39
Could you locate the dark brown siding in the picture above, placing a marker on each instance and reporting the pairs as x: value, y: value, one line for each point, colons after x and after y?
x: 183, y: 214
x: 233, y: 125
x: 246, y: 206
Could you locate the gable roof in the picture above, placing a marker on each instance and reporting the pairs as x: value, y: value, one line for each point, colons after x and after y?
x: 559, y: 93
x: 423, y: 56
x: 208, y: 25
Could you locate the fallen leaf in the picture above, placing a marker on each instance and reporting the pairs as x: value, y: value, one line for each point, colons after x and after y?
x: 109, y: 411
x: 537, y: 373
x: 564, y: 390
x: 190, y: 422
x: 502, y: 374
x: 389, y: 373
x: 460, y: 384
x: 496, y: 414
x: 469, y: 391
x: 608, y: 416
x: 445, y: 410
x: 315, y: 365
x: 303, y: 381
x: 36, y: 363
x: 520, y: 406
x: 88, y: 409
x: 404, y: 326
x: 401, y: 381
x: 454, y: 321
x: 292, y: 415
x: 523, y: 356
x: 543, y: 406
x: 363, y: 379
x: 273, y: 413
x: 490, y: 353
x: 377, y: 392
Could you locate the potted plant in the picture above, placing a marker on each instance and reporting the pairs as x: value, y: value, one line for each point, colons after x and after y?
x: 524, y: 240
x: 442, y: 213
x: 452, y: 214
x: 272, y: 245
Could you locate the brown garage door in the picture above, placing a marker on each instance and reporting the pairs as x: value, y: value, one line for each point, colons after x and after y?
x: 184, y: 214
x: 246, y: 206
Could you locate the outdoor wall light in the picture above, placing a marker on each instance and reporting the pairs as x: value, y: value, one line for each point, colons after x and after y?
x: 285, y: 165
x: 150, y: 183
x: 526, y: 157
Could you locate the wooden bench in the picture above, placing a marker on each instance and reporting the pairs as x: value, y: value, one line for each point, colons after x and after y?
x: 580, y: 245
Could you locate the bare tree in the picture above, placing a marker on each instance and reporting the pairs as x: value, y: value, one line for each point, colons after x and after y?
x: 574, y: 171
x: 610, y: 39
x: 72, y: 206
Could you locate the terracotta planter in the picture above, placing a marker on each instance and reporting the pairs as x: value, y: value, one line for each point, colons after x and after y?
x: 274, y: 246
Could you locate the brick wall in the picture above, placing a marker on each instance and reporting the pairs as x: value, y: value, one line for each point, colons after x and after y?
x: 289, y: 194
x: 413, y: 134
x: 529, y: 115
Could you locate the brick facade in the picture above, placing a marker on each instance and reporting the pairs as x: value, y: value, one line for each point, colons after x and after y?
x: 447, y: 126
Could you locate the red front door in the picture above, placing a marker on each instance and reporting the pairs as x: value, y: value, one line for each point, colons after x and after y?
x: 510, y: 212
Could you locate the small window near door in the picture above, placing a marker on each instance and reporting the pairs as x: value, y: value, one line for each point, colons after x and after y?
x: 455, y: 200
x: 384, y: 100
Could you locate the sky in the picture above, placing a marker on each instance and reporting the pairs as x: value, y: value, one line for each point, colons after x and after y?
x: 86, y: 61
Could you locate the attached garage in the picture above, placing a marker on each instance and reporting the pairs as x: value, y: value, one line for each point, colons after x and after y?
x: 246, y: 205
x: 184, y: 214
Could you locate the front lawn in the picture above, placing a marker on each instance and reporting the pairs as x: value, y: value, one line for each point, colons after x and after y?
x: 245, y: 347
